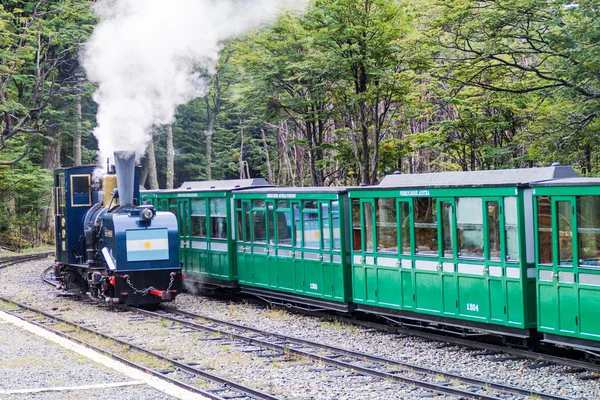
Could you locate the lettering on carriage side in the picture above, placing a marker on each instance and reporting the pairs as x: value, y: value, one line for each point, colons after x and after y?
x: 314, y: 286
x: 187, y: 194
x: 281, y: 195
x: 472, y: 307
x: 408, y: 193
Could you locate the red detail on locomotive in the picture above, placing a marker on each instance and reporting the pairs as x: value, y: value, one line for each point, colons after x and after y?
x: 164, y: 295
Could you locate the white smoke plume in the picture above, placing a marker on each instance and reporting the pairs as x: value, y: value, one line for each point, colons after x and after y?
x: 145, y: 56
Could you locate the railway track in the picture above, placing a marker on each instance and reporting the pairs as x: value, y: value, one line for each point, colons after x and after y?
x: 125, y: 352
x: 430, y: 379
x: 519, y: 352
x: 12, y: 260
x: 390, y: 370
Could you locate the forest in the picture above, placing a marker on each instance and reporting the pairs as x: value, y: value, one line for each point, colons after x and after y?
x: 340, y: 94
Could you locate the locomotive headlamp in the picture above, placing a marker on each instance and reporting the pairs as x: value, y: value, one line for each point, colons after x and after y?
x: 147, y: 214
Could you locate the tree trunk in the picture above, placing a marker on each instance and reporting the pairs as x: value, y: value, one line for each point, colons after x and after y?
x: 209, y: 134
x: 144, y: 172
x: 77, y: 145
x: 151, y: 160
x: 50, y: 161
x: 269, y: 169
x: 170, y: 158
x: 242, y: 173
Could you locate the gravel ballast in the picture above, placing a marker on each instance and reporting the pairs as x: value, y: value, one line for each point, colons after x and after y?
x: 29, y: 363
x: 297, y: 379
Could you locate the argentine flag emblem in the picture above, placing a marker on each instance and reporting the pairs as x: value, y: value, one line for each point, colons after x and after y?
x: 147, y: 244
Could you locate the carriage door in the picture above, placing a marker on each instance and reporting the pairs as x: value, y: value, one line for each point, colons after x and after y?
x: 432, y: 219
x: 447, y: 266
x: 494, y: 223
x: 557, y: 295
x: 406, y: 244
x: 364, y: 273
x: 183, y: 215
x: 244, y: 250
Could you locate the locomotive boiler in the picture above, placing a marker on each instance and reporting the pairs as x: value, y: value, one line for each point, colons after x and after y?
x: 109, y: 245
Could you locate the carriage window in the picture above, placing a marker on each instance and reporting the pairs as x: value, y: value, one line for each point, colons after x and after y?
x: 544, y: 221
x: 259, y: 226
x: 271, y: 222
x: 387, y: 230
x: 425, y: 216
x: 240, y: 226
x: 310, y: 205
x: 448, y: 241
x: 312, y: 234
x: 469, y: 226
x: 283, y: 204
x: 218, y: 218
x: 239, y: 216
x: 247, y: 221
x: 493, y: 230
x: 588, y: 229
x: 405, y: 226
x: 511, y: 232
x: 284, y: 227
x: 335, y: 225
x: 198, y: 217
x: 565, y: 233
x: 297, y: 225
x: 258, y: 203
x: 325, y: 231
x: 356, y: 230
x: 335, y: 206
x: 368, y: 227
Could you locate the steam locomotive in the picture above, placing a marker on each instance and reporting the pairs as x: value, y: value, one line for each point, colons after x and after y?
x: 107, y: 244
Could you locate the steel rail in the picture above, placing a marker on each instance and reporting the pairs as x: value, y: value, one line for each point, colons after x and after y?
x: 513, y: 351
x: 249, y: 392
x: 486, y: 385
x: 11, y: 260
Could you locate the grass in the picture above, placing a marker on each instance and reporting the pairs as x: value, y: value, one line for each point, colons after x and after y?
x: 8, y: 306
x: 21, y: 362
x: 337, y: 324
x: 278, y: 314
x: 38, y: 249
x: 149, y: 361
x: 225, y: 347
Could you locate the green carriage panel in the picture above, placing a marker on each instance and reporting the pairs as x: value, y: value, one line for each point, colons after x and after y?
x: 204, y: 212
x: 452, y: 247
x: 567, y: 231
x: 295, y: 249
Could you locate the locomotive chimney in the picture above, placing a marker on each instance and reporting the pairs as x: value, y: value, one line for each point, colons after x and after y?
x: 125, y: 165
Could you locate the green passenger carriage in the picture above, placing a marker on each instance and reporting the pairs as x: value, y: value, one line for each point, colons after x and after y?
x: 207, y: 242
x: 292, y: 248
x: 453, y: 248
x: 567, y: 226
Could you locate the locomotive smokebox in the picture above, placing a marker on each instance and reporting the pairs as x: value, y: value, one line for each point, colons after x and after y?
x: 125, y: 166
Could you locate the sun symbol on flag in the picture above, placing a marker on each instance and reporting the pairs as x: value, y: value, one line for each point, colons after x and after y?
x: 147, y: 245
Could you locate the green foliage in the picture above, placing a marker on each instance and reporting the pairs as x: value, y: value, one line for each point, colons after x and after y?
x: 23, y: 193
x: 39, y: 80
x: 346, y: 93
x: 540, y: 51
